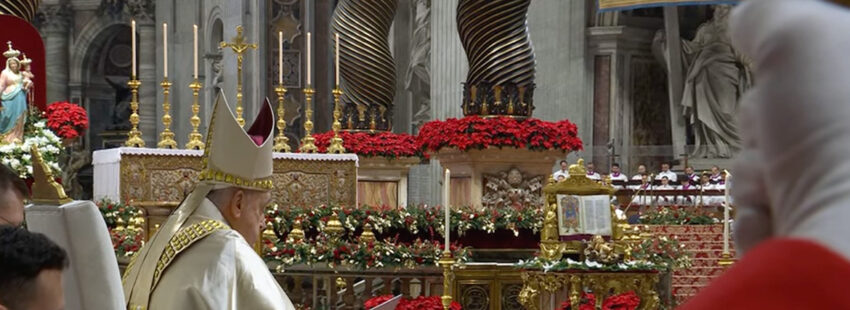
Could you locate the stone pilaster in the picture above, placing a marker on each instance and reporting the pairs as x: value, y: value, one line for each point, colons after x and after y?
x: 54, y: 22
x: 143, y: 12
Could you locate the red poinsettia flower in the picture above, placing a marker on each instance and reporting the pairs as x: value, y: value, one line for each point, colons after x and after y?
x: 386, y: 144
x: 66, y: 119
x: 474, y: 132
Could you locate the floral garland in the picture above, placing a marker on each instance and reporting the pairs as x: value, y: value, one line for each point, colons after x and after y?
x: 413, y: 219
x: 68, y: 120
x: 125, y: 241
x: 475, y: 132
x: 418, y: 303
x: 588, y: 265
x: 362, y: 255
x: 624, y: 301
x: 17, y: 155
x: 386, y: 144
x: 677, y: 215
x: 667, y: 253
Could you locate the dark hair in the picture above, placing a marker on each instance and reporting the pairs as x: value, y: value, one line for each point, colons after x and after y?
x: 615, y: 165
x: 665, y: 178
x: 665, y: 163
x: 563, y: 162
x: 8, y: 178
x: 689, y: 166
x: 23, y: 255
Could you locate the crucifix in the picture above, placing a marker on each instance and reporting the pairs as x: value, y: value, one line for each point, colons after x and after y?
x: 239, y: 47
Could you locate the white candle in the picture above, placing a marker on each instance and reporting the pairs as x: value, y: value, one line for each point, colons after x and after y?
x: 336, y: 58
x: 133, y: 44
x: 165, y: 50
x: 195, y: 33
x: 726, y: 216
x: 446, y: 207
x: 280, y: 57
x: 308, y: 60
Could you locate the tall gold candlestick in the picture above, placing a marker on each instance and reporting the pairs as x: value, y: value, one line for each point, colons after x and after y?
x: 446, y: 261
x: 281, y: 142
x: 134, y: 138
x: 336, y: 146
x: 195, y: 139
x: 166, y: 137
x: 308, y: 143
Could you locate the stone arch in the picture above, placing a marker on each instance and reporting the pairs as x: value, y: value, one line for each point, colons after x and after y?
x: 90, y: 39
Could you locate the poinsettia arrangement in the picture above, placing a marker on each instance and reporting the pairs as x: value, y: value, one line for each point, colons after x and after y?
x: 475, y: 132
x: 418, y: 303
x: 126, y: 242
x: 66, y: 119
x: 625, y: 301
x: 413, y: 219
x: 677, y: 215
x: 386, y: 144
x: 362, y: 255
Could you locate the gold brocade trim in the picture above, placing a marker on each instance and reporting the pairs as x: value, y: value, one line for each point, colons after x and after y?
x: 181, y: 241
x: 209, y: 174
x: 129, y: 267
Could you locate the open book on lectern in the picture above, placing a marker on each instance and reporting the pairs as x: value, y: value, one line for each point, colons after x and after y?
x: 584, y: 215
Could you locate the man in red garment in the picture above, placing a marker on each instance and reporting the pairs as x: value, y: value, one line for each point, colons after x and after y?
x: 791, y: 229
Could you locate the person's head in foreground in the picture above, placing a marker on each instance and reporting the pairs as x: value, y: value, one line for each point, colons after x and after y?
x: 244, y: 210
x: 13, y: 191
x: 30, y: 271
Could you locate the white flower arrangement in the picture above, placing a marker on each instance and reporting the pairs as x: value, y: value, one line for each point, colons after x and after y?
x: 17, y: 155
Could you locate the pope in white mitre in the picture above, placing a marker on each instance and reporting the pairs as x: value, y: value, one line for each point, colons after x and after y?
x: 202, y: 258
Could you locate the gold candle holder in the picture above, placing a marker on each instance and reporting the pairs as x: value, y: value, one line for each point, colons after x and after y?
x: 336, y: 146
x: 308, y: 143
x: 726, y: 259
x: 134, y: 137
x: 166, y: 137
x: 281, y: 142
x: 447, y: 262
x: 195, y: 139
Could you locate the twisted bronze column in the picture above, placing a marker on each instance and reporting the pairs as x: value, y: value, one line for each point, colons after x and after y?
x: 366, y: 66
x: 494, y: 35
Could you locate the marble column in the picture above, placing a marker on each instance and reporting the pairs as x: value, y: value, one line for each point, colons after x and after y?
x: 54, y: 23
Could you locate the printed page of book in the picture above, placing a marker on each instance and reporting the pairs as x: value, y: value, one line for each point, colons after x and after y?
x: 595, y: 215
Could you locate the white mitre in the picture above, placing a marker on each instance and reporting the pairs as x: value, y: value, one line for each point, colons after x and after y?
x: 232, y: 157
x: 93, y: 280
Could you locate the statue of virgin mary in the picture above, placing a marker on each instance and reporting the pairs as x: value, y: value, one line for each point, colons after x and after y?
x: 13, y: 98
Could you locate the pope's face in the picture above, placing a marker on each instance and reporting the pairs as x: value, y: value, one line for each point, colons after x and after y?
x: 250, y: 220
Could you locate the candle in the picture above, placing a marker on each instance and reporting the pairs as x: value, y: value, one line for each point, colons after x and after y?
x: 195, y: 33
x: 446, y: 186
x: 280, y: 57
x: 165, y: 50
x: 726, y: 216
x: 336, y: 58
x: 133, y: 40
x: 308, y: 60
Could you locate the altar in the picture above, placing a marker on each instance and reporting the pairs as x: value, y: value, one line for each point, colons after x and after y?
x: 158, y: 179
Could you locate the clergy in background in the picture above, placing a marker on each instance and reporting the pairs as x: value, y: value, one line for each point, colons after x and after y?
x: 591, y: 172
x: 202, y: 256
x: 640, y: 173
x: 666, y: 172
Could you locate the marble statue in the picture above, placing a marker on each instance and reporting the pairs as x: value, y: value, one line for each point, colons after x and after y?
x: 715, y: 78
x: 14, y: 98
x: 418, y: 80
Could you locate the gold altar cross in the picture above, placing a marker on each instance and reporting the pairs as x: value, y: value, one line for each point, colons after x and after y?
x: 239, y: 47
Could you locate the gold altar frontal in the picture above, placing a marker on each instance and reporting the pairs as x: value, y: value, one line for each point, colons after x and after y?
x: 547, y: 289
x: 158, y: 179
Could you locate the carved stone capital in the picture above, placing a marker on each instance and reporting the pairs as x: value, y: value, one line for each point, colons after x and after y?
x: 142, y: 10
x: 53, y: 18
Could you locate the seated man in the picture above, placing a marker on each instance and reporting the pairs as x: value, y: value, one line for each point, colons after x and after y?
x: 30, y: 271
x: 691, y: 175
x: 617, y: 176
x: 563, y: 173
x: 641, y: 171
x: 685, y: 198
x: 641, y: 196
x: 666, y: 172
x: 665, y: 200
x: 715, y: 175
x: 591, y: 172
x: 13, y: 191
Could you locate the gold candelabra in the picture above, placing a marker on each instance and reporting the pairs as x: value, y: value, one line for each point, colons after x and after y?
x: 336, y: 146
x: 166, y: 137
x: 308, y: 143
x: 134, y: 138
x: 446, y: 261
x: 239, y: 47
x: 195, y: 139
x: 281, y: 142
